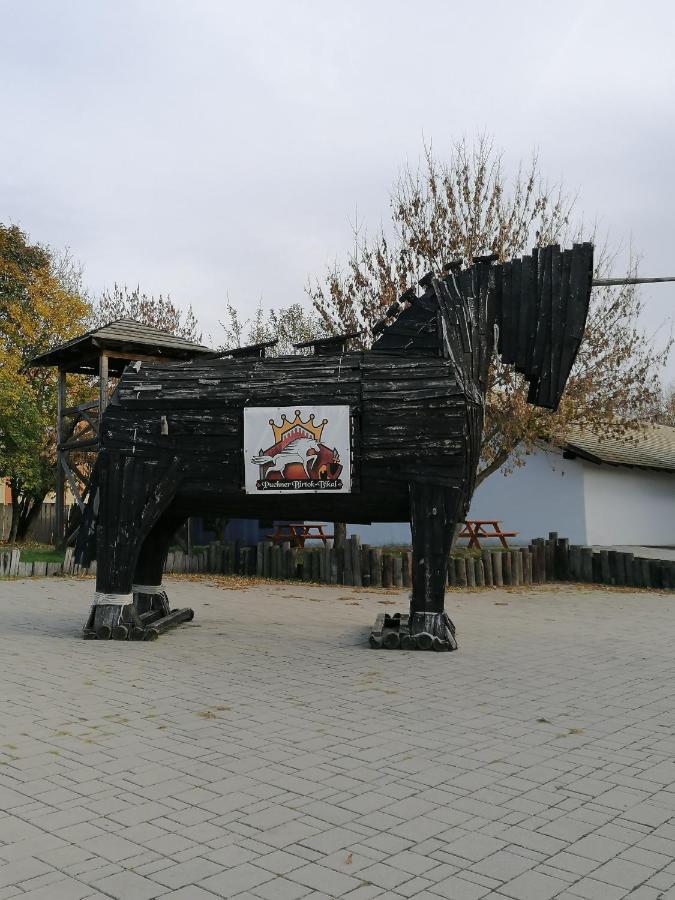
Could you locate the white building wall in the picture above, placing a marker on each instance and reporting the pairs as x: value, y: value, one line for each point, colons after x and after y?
x: 546, y: 494
x: 629, y: 506
x: 585, y: 502
x: 383, y: 534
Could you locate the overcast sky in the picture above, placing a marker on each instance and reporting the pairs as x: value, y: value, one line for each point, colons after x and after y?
x: 206, y: 148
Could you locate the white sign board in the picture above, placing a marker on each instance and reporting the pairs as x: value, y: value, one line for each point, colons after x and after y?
x: 297, y: 449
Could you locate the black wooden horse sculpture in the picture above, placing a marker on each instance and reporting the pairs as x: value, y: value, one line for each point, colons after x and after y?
x: 172, y: 435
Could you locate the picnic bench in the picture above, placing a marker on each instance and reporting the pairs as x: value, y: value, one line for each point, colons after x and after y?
x: 297, y: 533
x: 475, y: 529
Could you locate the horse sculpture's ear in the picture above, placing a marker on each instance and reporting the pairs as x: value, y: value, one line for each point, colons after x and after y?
x: 541, y: 304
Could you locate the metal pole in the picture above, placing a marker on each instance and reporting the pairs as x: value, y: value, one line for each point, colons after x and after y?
x: 613, y: 282
x: 60, y: 523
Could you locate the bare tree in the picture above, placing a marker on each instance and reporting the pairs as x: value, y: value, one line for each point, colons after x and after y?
x: 664, y: 413
x: 160, y: 312
x: 465, y: 207
x: 290, y: 325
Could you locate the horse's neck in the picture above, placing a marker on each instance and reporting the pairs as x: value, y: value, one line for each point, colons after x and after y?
x: 302, y: 445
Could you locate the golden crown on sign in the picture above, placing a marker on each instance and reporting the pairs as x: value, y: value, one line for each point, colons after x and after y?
x: 308, y: 426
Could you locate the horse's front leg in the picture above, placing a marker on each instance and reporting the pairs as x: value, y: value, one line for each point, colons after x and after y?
x: 433, y: 512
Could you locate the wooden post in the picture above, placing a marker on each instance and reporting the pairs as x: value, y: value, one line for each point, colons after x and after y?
x: 526, y: 565
x: 616, y: 567
x: 517, y: 566
x: 460, y: 571
x: 507, y: 568
x: 60, y: 524
x: 407, y: 568
x: 102, y: 385
x: 470, y: 572
x: 487, y: 566
x: 562, y: 559
x: 375, y: 567
x: 645, y: 575
x: 670, y: 566
x: 550, y: 555
x: 354, y: 551
x: 397, y: 562
x: 452, y: 580
x: 387, y: 570
x: 587, y: 564
x: 347, y: 571
x: 480, y: 573
x: 541, y: 559
x: 365, y: 565
x: 497, y: 570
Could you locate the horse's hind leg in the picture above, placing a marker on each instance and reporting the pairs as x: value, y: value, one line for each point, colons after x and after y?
x: 133, y: 494
x: 150, y: 601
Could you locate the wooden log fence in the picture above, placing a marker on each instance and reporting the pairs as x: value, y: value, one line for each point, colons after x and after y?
x: 547, y: 560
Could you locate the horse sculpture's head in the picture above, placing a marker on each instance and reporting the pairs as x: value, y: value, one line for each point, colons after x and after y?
x: 538, y: 304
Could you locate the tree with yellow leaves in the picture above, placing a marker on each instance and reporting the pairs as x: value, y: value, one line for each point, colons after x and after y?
x: 40, y: 306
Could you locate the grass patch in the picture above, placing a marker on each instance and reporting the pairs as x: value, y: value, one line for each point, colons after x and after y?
x: 34, y: 552
x: 41, y: 555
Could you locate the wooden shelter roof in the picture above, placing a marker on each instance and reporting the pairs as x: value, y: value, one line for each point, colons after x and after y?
x: 122, y: 340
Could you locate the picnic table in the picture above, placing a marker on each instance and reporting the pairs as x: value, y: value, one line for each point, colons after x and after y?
x: 297, y: 533
x: 475, y: 529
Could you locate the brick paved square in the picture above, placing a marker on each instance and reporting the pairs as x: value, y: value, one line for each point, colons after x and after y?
x: 265, y: 752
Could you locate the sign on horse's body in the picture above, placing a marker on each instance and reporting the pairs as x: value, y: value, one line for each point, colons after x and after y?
x: 389, y: 434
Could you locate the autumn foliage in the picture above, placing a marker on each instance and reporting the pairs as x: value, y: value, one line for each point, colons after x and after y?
x: 38, y: 309
x: 465, y: 207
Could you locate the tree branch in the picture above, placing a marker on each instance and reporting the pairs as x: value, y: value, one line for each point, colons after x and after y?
x: 496, y: 463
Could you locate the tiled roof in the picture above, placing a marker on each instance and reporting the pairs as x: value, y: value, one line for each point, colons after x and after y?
x: 123, y: 336
x: 652, y: 447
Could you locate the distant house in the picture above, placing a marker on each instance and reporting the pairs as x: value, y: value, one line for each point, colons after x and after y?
x: 592, y: 490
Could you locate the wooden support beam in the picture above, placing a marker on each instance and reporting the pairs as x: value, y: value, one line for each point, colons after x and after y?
x: 102, y: 384
x: 72, y: 484
x: 76, y: 410
x: 335, y: 344
x: 79, y: 445
x: 259, y: 350
x: 92, y: 423
x: 60, y: 516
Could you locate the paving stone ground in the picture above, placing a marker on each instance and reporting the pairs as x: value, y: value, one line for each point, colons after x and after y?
x: 265, y: 751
